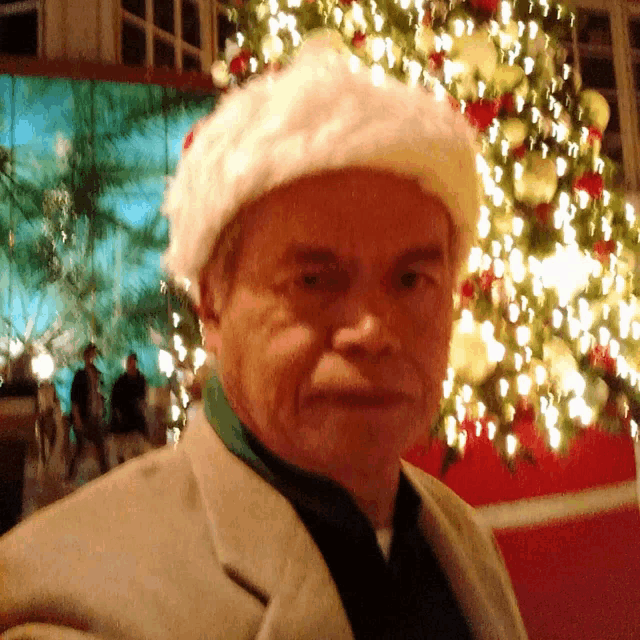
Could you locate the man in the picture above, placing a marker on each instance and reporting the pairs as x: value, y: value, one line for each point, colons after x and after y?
x: 128, y: 406
x: 322, y: 221
x: 87, y: 408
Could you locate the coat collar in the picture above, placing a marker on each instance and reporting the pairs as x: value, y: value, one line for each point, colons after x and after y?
x: 261, y: 542
x: 470, y: 558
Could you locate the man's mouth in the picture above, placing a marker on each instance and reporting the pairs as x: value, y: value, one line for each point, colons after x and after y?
x: 362, y: 399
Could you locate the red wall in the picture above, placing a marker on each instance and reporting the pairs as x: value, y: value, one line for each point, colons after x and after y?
x: 575, y: 579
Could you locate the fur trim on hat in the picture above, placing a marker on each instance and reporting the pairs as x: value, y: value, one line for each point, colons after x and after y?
x: 315, y: 115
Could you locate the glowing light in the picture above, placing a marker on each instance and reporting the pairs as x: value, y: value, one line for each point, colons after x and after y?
x: 551, y: 417
x: 378, y: 49
x: 451, y: 431
x: 512, y: 444
x: 524, y: 384
x: 528, y: 64
x: 555, y: 437
x: 377, y: 74
x: 199, y: 358
x: 43, y: 366
x: 583, y: 199
x: 165, y: 362
x: 561, y: 166
x: 523, y: 334
x: 505, y: 12
x: 495, y: 351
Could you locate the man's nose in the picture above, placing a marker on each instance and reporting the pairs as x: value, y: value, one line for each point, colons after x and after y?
x: 369, y: 333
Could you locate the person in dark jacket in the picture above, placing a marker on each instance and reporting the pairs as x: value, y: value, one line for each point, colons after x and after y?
x: 128, y: 409
x: 87, y: 408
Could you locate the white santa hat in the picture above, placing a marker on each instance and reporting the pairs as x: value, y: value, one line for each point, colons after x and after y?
x: 315, y: 115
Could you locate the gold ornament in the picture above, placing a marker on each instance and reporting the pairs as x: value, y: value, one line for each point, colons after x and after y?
x: 469, y: 353
x: 220, y: 74
x: 514, y: 131
x: 506, y: 77
x: 476, y: 53
x: 596, y: 109
x: 425, y: 40
x: 538, y: 181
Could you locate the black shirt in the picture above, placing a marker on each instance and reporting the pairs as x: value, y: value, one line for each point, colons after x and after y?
x: 127, y: 404
x: 407, y: 596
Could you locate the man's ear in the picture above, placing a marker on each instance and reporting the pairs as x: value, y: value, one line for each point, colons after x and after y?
x: 210, y: 330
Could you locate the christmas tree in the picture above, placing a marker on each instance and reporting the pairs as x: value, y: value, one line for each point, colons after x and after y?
x: 547, y: 316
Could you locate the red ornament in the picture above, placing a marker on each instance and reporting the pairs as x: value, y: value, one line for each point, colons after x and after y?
x: 485, y: 5
x: 591, y: 182
x: 486, y: 279
x: 610, y: 409
x: 482, y: 112
x: 436, y: 60
x: 519, y: 152
x: 507, y: 103
x: 427, y: 19
x: 359, y: 39
x: 455, y: 105
x: 544, y: 212
x: 467, y: 289
x: 347, y: 2
x: 594, y: 134
x: 525, y: 411
x: 600, y: 358
x: 188, y: 140
x: 602, y: 249
x: 239, y: 65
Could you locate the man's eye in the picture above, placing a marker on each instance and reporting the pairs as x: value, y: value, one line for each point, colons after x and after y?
x: 319, y: 281
x: 413, y: 279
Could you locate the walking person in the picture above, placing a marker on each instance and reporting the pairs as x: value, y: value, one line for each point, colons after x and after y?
x: 128, y: 425
x: 87, y: 411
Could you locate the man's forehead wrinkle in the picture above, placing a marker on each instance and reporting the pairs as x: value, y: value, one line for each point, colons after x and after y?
x: 302, y: 254
x: 306, y: 254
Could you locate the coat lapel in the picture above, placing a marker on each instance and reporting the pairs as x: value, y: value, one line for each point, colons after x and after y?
x: 262, y: 544
x: 473, y: 566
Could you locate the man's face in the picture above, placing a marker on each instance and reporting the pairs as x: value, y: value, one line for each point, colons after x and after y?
x: 132, y: 366
x: 333, y: 343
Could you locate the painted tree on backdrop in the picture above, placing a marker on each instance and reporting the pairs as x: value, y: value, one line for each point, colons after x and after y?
x: 64, y: 235
x: 547, y: 317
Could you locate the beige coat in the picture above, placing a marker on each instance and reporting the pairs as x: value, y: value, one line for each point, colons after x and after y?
x: 189, y: 543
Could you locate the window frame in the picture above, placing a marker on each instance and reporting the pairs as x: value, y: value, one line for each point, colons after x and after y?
x: 27, y: 6
x: 174, y: 40
x: 618, y: 12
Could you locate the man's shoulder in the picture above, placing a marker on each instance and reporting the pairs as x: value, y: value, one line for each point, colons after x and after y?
x: 80, y: 374
x: 120, y: 513
x: 131, y: 555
